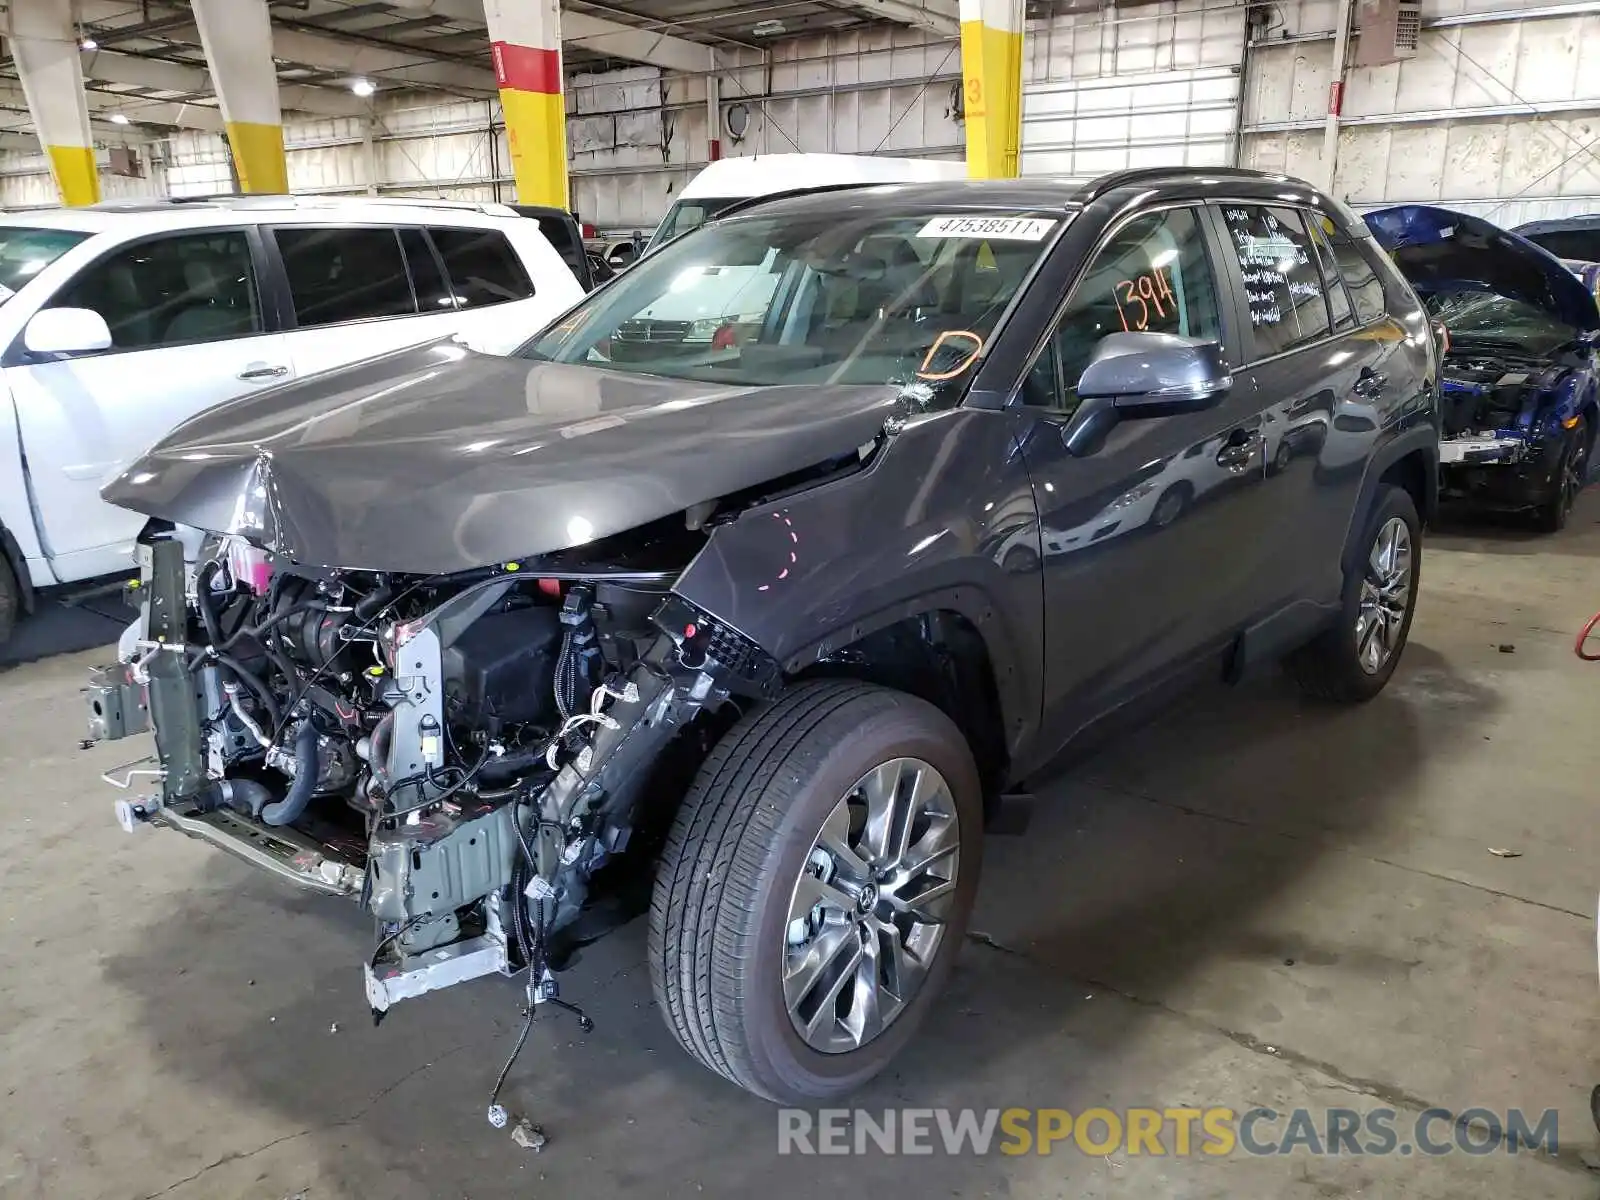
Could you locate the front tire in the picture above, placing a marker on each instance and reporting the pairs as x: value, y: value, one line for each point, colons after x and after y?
x: 10, y: 600
x: 1352, y: 661
x: 1570, y: 473
x: 838, y: 796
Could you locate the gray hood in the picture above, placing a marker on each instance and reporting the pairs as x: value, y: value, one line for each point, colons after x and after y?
x: 437, y: 459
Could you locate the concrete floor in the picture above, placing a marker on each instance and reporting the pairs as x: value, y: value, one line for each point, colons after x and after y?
x: 1251, y: 902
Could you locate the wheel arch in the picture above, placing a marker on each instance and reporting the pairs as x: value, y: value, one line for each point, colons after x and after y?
x: 1409, y: 460
x: 938, y: 654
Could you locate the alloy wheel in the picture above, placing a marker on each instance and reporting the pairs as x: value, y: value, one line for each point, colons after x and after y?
x: 1385, y: 596
x: 1572, y: 473
x: 867, y: 914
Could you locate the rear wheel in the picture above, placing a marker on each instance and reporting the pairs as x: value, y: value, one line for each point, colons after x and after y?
x: 1570, y: 473
x: 815, y: 889
x: 10, y: 600
x: 1352, y: 660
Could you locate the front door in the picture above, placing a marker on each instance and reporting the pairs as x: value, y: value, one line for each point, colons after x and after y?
x: 1145, y: 559
x: 187, y: 333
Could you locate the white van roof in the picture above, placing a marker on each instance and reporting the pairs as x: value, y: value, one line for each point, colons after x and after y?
x: 763, y: 174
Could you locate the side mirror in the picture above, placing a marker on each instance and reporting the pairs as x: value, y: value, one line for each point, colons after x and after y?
x: 66, y: 331
x: 1155, y: 374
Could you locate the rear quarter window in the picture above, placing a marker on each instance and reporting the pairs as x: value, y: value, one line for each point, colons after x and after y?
x: 1361, y: 278
x: 482, y: 267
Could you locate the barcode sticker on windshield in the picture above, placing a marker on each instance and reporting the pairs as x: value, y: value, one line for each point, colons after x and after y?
x: 1009, y: 229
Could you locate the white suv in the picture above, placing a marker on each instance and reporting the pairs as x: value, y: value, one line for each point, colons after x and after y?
x: 117, y: 322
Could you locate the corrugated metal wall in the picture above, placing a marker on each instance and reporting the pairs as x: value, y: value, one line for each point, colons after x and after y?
x: 1499, y: 118
x: 1152, y: 85
x: 25, y: 178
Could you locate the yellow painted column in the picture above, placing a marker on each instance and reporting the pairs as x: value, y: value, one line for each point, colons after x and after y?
x: 991, y: 70
x: 44, y: 45
x: 237, y: 36
x: 525, y: 40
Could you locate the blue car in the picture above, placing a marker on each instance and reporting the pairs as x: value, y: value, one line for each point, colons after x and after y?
x: 1520, y: 376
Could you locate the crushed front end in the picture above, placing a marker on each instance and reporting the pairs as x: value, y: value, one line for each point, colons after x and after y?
x: 471, y: 756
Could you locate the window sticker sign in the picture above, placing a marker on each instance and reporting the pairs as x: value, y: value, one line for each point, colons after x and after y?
x: 1004, y: 229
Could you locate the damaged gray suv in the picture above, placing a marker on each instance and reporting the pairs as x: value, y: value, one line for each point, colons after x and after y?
x: 747, y: 616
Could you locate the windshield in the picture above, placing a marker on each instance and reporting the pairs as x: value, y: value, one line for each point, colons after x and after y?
x: 26, y: 252
x: 869, y: 299
x: 1490, y: 318
x: 690, y: 214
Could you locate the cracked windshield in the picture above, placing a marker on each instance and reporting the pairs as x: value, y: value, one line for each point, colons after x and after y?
x: 905, y: 298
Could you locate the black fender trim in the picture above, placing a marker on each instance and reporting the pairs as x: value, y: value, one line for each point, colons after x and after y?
x: 1019, y: 713
x: 1423, y: 438
x: 19, y: 568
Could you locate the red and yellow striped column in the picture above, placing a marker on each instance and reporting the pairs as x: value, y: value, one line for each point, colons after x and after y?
x: 237, y: 36
x: 44, y: 45
x: 525, y: 40
x: 991, y: 70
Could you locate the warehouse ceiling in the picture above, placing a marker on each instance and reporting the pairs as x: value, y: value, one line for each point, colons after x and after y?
x: 146, y: 63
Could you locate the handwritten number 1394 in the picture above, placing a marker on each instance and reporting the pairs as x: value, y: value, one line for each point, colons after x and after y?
x: 1152, y: 291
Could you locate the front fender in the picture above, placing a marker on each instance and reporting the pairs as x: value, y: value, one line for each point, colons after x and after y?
x: 920, y: 529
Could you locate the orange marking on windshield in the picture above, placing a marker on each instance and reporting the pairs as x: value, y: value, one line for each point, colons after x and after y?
x: 947, y: 336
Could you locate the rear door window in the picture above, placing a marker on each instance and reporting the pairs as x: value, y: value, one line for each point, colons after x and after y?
x: 1283, y: 282
x: 481, y: 266
x: 344, y: 274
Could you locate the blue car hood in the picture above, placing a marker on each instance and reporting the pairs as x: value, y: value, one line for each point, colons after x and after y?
x: 1443, y: 251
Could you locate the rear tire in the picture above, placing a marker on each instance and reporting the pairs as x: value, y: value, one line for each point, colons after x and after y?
x: 726, y: 948
x: 10, y: 600
x: 1342, y: 664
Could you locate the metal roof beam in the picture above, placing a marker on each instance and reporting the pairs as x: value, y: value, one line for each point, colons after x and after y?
x: 595, y: 34
x: 942, y: 17
x: 135, y: 71
x: 335, y: 53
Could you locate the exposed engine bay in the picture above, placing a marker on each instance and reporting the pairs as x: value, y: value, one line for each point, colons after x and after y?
x: 471, y: 757
x: 1490, y: 401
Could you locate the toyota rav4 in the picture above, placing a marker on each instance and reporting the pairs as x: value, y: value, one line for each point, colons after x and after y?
x: 749, y: 622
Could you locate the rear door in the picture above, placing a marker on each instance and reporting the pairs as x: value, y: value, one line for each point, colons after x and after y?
x: 1146, y: 543
x: 189, y: 331
x: 348, y: 292
x: 1322, y: 373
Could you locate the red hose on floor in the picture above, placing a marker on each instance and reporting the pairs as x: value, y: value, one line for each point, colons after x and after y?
x: 1583, y: 639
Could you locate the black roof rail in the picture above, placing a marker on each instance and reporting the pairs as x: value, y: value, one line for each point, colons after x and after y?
x: 1106, y: 183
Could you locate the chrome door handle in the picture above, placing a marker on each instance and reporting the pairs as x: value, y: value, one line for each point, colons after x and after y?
x: 1239, y: 449
x: 1369, y: 383
x: 264, y: 373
